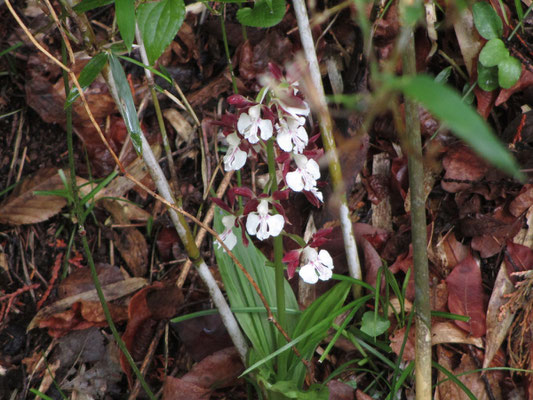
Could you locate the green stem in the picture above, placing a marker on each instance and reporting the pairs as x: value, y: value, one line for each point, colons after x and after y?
x: 226, y: 49
x: 279, y: 274
x: 418, y: 233
x: 78, y: 210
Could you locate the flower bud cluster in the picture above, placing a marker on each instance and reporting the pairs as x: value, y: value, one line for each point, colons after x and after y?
x: 276, y: 118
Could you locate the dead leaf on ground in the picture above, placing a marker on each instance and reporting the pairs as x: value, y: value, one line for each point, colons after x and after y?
x: 218, y: 370
x: 463, y: 169
x: 498, y: 319
x: 111, y: 292
x: 147, y: 306
x: 23, y: 206
x: 466, y: 295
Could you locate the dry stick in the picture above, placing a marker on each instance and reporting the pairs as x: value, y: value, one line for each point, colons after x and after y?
x: 326, y: 130
x: 207, y: 220
x: 176, y: 215
x: 148, y: 358
x: 418, y: 231
x: 63, y: 35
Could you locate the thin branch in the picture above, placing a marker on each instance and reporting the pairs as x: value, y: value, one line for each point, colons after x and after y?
x: 326, y: 130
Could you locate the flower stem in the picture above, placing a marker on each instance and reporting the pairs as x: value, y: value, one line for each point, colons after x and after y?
x: 278, y: 264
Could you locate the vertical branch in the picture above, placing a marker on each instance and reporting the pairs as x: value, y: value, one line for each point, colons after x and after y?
x: 418, y: 231
x: 326, y: 130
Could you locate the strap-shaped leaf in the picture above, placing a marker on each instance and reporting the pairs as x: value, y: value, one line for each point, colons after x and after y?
x: 445, y: 104
x: 126, y: 106
x: 159, y: 22
x: 125, y: 13
x: 87, y: 76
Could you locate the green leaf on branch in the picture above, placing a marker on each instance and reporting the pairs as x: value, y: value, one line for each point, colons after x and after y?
x: 445, y: 104
x: 488, y: 23
x: 159, y: 22
x: 88, y: 5
x: 493, y: 53
x: 126, y: 106
x: 509, y: 71
x: 266, y: 13
x: 125, y: 13
x: 374, y: 324
x: 487, y: 77
x: 87, y: 76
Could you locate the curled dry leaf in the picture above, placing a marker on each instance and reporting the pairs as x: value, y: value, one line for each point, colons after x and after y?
x: 23, y: 206
x: 498, y: 319
x: 466, y: 296
x: 523, y: 201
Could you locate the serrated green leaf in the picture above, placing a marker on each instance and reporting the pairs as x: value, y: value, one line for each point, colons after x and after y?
x: 159, y: 23
x: 509, y: 71
x: 445, y: 104
x: 374, y: 324
x: 487, y: 77
x: 87, y: 76
x: 488, y: 23
x: 126, y: 106
x: 125, y: 13
x: 266, y: 13
x: 493, y: 53
x: 87, y: 5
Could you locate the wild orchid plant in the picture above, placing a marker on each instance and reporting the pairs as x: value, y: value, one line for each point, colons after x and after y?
x: 274, y: 124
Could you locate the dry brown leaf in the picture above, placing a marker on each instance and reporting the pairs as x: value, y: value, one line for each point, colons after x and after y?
x: 498, y: 321
x: 111, y: 292
x: 23, y: 206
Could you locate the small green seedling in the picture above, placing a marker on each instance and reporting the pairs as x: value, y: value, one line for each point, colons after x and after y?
x: 496, y: 67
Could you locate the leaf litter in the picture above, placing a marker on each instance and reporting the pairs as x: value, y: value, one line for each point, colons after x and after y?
x: 474, y: 216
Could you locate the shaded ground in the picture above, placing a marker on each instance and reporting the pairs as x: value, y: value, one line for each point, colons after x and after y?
x: 479, y: 220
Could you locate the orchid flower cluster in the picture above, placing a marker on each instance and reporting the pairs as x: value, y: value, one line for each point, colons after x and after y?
x: 274, y: 124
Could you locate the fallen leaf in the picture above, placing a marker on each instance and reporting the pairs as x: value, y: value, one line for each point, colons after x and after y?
x: 525, y: 81
x: 466, y: 296
x: 111, y: 292
x: 523, y: 201
x: 498, y: 320
x: 463, y: 168
x: 23, y: 206
x: 339, y: 390
x: 152, y: 303
x: 218, y: 370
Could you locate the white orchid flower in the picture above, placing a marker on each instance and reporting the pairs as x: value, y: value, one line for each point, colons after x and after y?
x: 291, y: 135
x: 317, y: 265
x: 250, y: 123
x: 228, y: 237
x: 235, y: 158
x: 262, y: 224
x: 305, y: 176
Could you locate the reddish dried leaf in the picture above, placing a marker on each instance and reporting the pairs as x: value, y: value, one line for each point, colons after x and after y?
x: 360, y: 395
x: 462, y: 164
x: 203, y: 336
x: 396, y: 340
x: 466, y: 296
x: 372, y: 264
x: 518, y: 257
x: 152, y: 303
x: 133, y: 248
x: 23, y: 206
x: 339, y: 390
x: 167, y: 240
x: 485, y: 101
x: 455, y: 251
x: 525, y: 81
x: 80, y: 280
x: 218, y: 370
x: 523, y: 201
x: 177, y: 389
